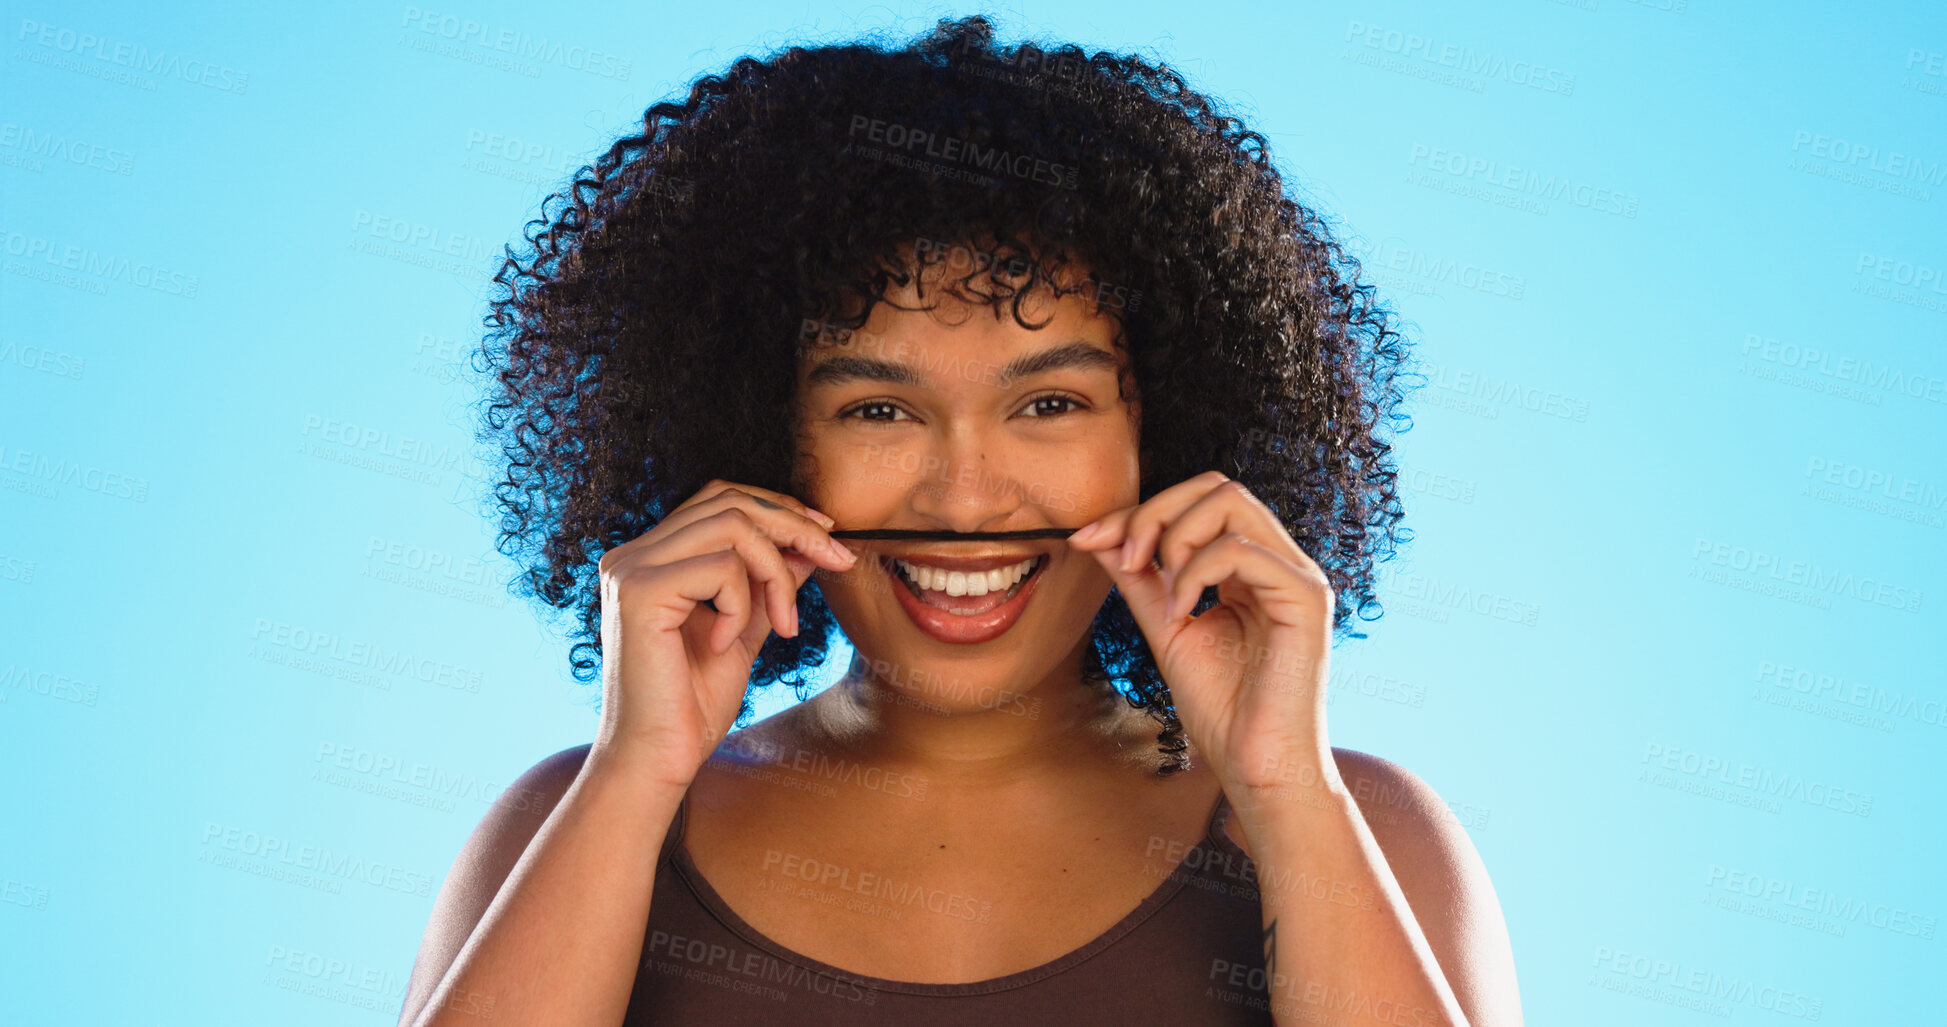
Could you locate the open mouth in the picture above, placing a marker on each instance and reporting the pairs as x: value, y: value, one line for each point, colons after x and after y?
x: 970, y: 601
x: 964, y: 592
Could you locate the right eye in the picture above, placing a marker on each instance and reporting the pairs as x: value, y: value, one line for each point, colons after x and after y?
x: 873, y: 410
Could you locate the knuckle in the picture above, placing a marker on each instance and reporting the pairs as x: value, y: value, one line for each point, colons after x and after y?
x: 630, y: 577
x: 782, y: 536
x: 735, y: 519
x: 615, y: 560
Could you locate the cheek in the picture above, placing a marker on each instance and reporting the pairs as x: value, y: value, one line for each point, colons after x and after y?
x: 1107, y: 478
x: 855, y: 591
x: 858, y: 483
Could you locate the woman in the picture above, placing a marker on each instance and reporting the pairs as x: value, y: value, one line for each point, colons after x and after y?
x: 953, y: 302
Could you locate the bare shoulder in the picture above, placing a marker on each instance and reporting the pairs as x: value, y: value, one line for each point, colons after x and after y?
x: 1391, y: 797
x: 482, y: 866
x: 507, y: 827
x: 1445, y: 883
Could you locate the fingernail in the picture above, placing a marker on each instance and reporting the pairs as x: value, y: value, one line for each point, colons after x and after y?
x: 1128, y: 553
x: 839, y: 550
x: 1082, y: 534
x: 820, y: 517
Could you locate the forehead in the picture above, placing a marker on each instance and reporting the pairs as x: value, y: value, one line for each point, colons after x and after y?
x: 912, y: 346
x: 927, y: 362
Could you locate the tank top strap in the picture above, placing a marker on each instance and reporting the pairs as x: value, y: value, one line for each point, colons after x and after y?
x: 1214, y: 834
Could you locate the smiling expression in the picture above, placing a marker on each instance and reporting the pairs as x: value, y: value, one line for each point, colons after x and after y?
x: 958, y: 419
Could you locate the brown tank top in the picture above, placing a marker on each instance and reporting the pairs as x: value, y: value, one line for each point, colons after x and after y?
x: 1189, y: 955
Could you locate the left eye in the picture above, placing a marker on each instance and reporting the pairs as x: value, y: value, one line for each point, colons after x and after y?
x: 1043, y: 406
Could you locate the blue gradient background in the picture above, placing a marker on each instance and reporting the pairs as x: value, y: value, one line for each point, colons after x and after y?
x: 172, y: 501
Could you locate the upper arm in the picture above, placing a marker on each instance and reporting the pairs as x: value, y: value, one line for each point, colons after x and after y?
x: 1445, y: 883
x: 484, y: 862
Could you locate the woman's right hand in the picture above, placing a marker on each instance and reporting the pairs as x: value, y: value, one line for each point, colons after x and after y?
x: 674, y: 671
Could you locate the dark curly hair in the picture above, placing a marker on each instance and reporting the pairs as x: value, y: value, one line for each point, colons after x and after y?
x: 647, y: 341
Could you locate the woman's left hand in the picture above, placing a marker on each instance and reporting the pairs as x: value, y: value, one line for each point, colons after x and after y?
x: 1247, y: 675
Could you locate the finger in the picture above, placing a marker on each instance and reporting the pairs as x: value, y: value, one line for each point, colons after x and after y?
x: 1279, y: 588
x: 717, y: 578
x: 1103, y: 532
x: 1149, y: 520
x: 716, y: 487
x: 734, y: 611
x: 1230, y: 507
x: 735, y: 530
x: 1145, y: 592
x: 786, y: 529
x: 755, y: 632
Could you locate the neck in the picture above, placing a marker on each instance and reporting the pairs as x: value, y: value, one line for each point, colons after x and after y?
x: 999, y: 735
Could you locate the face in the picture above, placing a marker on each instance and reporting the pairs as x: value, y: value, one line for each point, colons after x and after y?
x: 955, y: 420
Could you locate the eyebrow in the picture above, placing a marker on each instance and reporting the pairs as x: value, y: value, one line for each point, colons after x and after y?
x: 839, y: 370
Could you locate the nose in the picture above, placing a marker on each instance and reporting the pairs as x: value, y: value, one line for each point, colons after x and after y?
x: 962, y: 490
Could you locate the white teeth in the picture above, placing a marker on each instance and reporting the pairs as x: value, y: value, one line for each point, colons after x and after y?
x: 964, y: 583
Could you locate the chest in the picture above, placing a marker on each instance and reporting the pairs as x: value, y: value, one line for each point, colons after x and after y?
x: 911, y: 895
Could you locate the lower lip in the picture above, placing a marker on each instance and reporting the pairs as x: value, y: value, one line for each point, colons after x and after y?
x: 963, y: 629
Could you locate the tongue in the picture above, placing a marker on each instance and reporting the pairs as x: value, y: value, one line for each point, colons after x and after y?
x: 963, y: 605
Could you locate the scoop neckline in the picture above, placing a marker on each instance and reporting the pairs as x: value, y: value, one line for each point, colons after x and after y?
x: 1173, y: 882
